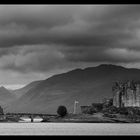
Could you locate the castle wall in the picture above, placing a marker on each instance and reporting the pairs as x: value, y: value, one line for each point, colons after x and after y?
x: 130, y: 98
x: 116, y: 98
x: 138, y: 95
x: 84, y: 109
x: 127, y: 95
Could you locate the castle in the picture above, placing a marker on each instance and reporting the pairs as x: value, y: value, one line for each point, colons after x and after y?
x: 126, y: 94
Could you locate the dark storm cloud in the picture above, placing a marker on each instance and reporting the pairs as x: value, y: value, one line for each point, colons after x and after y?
x: 44, y: 38
x: 70, y: 25
x: 36, y: 16
x: 32, y: 58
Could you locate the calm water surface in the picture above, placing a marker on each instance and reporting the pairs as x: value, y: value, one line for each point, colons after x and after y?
x: 68, y: 129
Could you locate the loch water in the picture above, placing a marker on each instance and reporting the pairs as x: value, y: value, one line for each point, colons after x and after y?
x: 38, y: 128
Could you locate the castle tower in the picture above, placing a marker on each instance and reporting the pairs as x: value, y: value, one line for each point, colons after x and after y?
x: 117, y: 95
x: 116, y: 98
x: 138, y: 95
x: 126, y: 94
x: 130, y: 97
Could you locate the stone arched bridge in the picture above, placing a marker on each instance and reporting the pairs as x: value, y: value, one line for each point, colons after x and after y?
x: 28, y: 115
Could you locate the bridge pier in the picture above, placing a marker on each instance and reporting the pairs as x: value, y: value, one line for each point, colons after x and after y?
x: 32, y: 119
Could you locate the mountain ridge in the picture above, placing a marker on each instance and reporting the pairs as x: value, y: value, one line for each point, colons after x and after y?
x: 86, y: 85
x: 6, y: 96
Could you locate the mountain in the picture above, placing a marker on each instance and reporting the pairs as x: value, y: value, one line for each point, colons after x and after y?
x: 87, y: 85
x: 6, y: 96
x: 22, y: 91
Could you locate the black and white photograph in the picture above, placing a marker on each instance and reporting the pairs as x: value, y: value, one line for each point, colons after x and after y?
x: 70, y: 69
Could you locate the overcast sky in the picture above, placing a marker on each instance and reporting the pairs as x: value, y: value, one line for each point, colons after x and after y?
x: 37, y: 41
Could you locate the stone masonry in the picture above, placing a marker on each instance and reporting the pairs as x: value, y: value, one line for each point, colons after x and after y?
x: 126, y: 94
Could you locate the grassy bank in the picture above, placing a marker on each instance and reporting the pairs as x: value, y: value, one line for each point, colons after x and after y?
x: 86, y: 118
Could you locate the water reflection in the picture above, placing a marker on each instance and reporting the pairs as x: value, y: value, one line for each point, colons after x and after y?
x: 26, y: 119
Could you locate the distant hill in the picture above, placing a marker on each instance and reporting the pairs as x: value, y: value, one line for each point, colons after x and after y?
x: 5, y: 96
x: 22, y: 91
x: 85, y: 85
